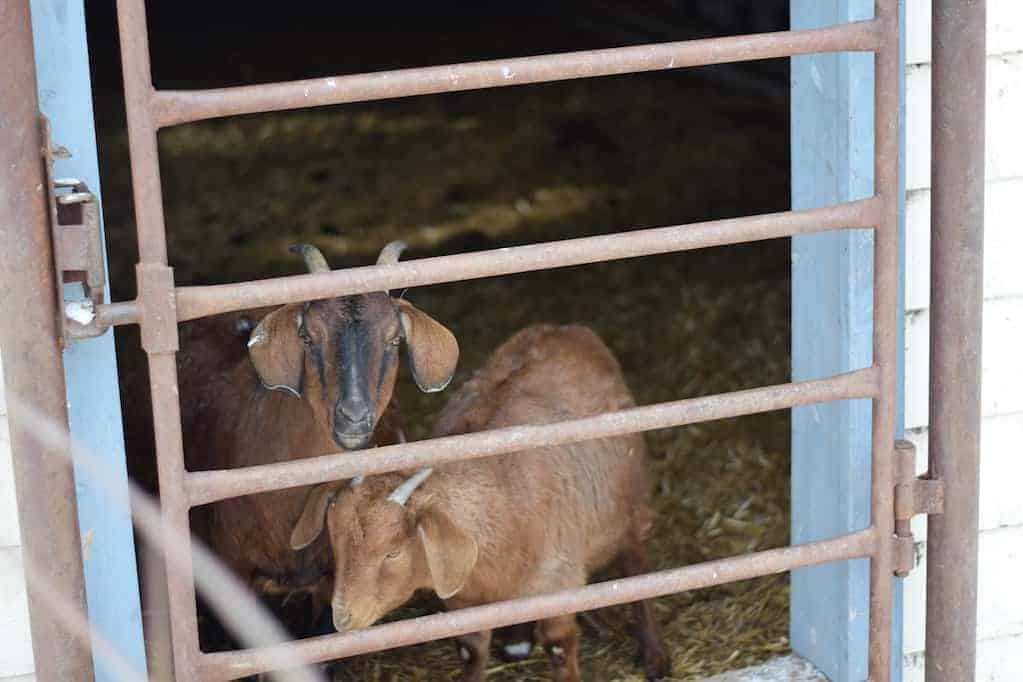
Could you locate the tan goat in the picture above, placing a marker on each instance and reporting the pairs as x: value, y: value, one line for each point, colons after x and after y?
x: 502, y: 527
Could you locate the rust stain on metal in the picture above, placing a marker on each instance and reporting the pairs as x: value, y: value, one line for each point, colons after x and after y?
x: 957, y: 264
x: 913, y: 495
x: 886, y: 158
x: 33, y: 364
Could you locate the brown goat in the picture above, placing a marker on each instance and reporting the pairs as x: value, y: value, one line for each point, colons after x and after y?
x: 315, y: 378
x: 501, y: 527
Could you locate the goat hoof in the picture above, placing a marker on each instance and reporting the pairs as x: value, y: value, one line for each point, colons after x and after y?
x: 557, y: 654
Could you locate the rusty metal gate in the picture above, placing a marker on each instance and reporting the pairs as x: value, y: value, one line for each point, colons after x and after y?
x: 895, y: 494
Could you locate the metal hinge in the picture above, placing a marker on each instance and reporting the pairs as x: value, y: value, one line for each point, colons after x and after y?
x: 913, y: 495
x: 77, y: 245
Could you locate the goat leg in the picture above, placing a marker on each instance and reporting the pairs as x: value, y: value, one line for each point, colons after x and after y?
x: 656, y: 663
x: 474, y: 652
x: 561, y: 640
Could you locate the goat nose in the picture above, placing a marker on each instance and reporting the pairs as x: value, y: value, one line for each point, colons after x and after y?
x: 353, y: 411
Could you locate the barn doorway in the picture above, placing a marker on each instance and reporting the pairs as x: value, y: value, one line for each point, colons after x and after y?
x: 457, y: 173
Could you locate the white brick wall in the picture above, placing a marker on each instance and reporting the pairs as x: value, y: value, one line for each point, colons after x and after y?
x: 16, y: 647
x: 1000, y: 599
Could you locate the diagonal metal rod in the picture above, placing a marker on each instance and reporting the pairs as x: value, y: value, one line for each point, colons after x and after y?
x: 209, y: 486
x: 200, y: 301
x: 173, y: 107
x: 235, y: 664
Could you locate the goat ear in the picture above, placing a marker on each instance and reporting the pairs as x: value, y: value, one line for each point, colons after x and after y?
x: 451, y: 553
x: 314, y: 515
x: 432, y: 348
x: 276, y: 350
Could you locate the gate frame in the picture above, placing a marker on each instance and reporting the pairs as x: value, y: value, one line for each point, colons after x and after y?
x: 161, y: 306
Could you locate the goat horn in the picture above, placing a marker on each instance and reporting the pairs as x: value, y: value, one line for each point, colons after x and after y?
x: 314, y: 260
x: 405, y: 490
x: 390, y: 254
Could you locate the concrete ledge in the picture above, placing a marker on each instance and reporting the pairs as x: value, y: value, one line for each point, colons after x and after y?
x: 789, y: 668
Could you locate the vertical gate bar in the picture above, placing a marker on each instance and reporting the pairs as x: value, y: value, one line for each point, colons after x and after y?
x: 181, y: 604
x: 33, y: 366
x: 882, y: 513
x: 957, y: 297
x: 145, y: 164
x: 159, y: 336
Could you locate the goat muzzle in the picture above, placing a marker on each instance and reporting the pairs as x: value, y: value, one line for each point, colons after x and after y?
x: 341, y: 616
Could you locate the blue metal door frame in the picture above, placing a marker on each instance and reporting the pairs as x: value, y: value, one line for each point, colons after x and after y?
x: 832, y: 325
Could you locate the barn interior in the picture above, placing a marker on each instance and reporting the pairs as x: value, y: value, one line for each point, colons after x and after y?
x: 463, y: 172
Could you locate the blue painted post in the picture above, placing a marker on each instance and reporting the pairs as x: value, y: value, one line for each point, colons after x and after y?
x: 832, y: 326
x: 108, y: 550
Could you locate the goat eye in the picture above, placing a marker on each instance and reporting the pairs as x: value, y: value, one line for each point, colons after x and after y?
x: 396, y: 341
x: 393, y: 555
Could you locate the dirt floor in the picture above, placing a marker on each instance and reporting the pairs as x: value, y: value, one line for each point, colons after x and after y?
x: 464, y: 172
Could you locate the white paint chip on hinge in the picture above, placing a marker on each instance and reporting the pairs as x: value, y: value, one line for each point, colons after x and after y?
x: 82, y: 311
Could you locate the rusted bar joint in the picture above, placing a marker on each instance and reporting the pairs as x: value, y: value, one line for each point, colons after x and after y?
x: 236, y: 664
x: 117, y: 314
x: 204, y: 487
x: 174, y: 107
x: 157, y: 308
x: 913, y: 495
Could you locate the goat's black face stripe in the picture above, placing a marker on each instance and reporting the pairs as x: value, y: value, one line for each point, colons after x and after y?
x: 352, y: 359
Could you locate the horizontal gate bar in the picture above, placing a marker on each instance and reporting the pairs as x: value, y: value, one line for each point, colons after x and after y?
x: 173, y: 107
x: 201, y: 301
x: 235, y: 664
x: 205, y: 487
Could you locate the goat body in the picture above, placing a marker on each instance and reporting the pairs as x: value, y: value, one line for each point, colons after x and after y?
x: 509, y: 526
